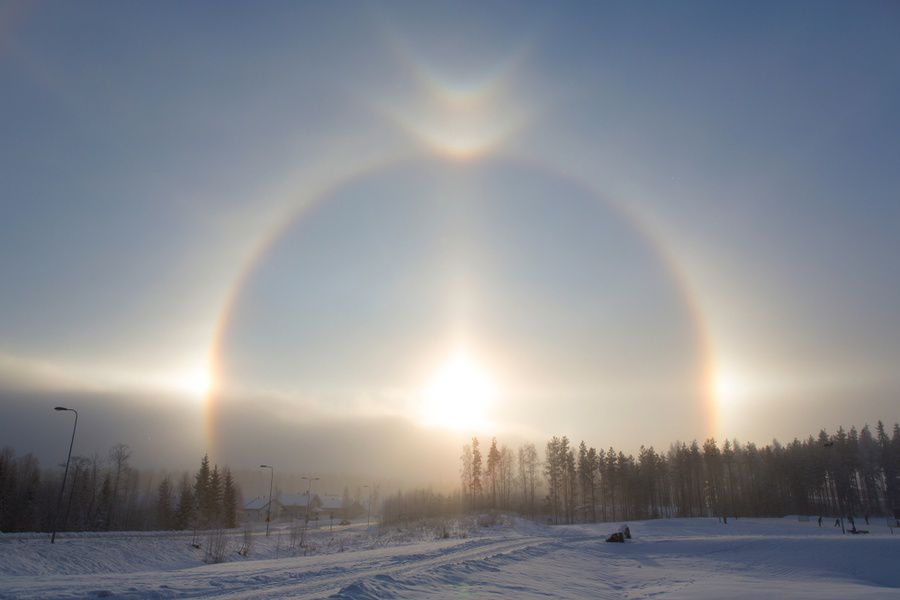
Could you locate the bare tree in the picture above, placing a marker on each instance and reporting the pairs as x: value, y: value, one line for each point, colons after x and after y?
x: 465, y: 473
x: 476, y: 472
x: 528, y: 468
x: 118, y: 457
x: 506, y: 474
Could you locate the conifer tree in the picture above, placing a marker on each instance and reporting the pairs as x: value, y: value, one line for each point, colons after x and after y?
x: 202, y: 495
x: 587, y: 469
x: 229, y: 500
x: 187, y: 506
x: 492, y: 472
x: 164, y: 510
x: 553, y: 468
x: 213, y: 507
x: 570, y: 481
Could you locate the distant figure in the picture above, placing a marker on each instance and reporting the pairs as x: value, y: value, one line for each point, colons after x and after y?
x: 820, y: 520
x: 837, y: 522
x: 725, y: 519
x: 866, y: 517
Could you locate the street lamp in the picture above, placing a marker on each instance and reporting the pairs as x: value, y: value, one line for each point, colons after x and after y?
x: 66, y: 472
x: 308, y: 498
x: 269, y: 505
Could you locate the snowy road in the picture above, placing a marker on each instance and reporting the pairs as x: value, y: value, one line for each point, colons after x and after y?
x: 667, y: 559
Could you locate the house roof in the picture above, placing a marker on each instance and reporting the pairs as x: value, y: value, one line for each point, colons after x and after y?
x: 325, y: 501
x: 331, y: 502
x: 289, y: 500
x: 258, y: 503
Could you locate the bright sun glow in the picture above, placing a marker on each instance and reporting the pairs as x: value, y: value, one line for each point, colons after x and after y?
x: 196, y: 383
x: 728, y: 387
x: 458, y: 395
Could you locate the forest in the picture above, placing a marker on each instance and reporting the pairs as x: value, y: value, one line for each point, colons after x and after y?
x: 850, y: 472
x: 108, y: 494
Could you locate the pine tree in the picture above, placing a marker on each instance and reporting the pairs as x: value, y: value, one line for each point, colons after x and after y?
x: 713, y: 476
x: 164, y: 514
x: 570, y: 479
x: 187, y: 506
x: 587, y: 476
x: 214, y: 499
x: 728, y: 458
x: 869, y: 471
x: 611, y: 477
x: 202, y: 494
x: 493, y: 466
x: 893, y: 464
x: 229, y: 500
x: 553, y: 472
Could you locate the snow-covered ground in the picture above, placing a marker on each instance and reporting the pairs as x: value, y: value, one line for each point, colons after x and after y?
x: 677, y: 558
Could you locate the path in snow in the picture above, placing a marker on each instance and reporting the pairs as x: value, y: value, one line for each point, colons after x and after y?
x: 679, y: 558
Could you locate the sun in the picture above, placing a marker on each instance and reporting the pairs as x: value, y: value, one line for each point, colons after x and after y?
x: 458, y: 395
x: 729, y: 387
x: 195, y: 383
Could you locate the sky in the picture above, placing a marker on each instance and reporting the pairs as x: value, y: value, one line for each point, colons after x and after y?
x: 325, y: 234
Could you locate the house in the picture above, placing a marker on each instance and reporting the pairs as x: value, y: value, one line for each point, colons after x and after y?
x: 294, y: 505
x: 332, y: 506
x: 256, y: 509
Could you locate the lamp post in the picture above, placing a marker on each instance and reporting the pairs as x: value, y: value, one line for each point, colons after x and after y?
x: 308, y: 498
x: 269, y: 505
x: 71, y: 494
x: 66, y: 472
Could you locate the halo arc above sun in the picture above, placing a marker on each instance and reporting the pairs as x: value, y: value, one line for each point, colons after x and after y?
x: 686, y: 294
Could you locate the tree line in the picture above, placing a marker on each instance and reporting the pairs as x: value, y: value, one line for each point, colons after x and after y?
x: 108, y: 494
x: 850, y: 472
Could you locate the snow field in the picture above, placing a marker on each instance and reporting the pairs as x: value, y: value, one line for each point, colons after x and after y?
x: 677, y: 558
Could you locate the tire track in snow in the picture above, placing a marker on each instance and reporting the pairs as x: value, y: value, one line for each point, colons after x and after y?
x: 300, y: 577
x: 483, y: 575
x: 405, y: 567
